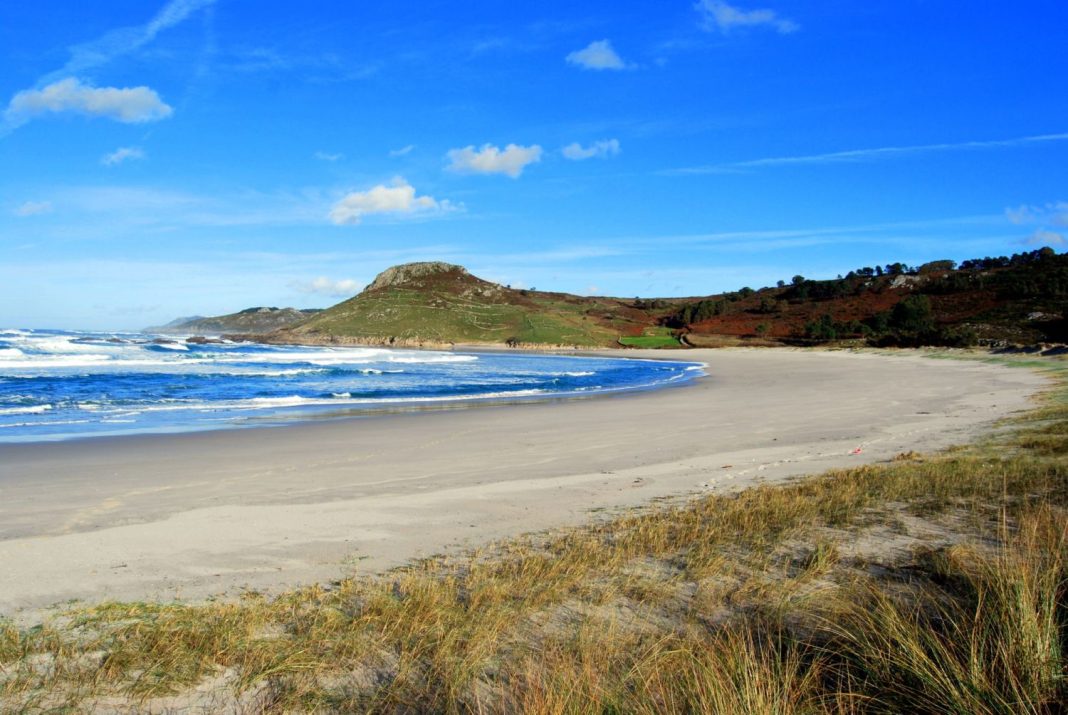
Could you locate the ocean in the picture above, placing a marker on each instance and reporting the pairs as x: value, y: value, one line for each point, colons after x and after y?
x: 57, y: 385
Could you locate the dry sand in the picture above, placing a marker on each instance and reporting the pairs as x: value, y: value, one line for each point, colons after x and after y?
x: 155, y: 517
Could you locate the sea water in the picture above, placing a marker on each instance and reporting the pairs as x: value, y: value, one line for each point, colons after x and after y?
x: 62, y: 384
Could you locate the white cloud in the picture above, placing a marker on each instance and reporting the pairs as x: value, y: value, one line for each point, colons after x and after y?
x: 399, y: 198
x: 722, y: 16
x: 326, y: 286
x: 129, y: 104
x: 33, y: 208
x: 1044, y: 237
x: 597, y: 55
x: 492, y: 160
x: 599, y: 149
x: 122, y: 154
x: 403, y: 151
x: 325, y: 156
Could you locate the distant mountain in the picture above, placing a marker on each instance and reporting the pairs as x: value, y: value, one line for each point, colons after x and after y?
x: 174, y: 323
x: 252, y: 321
x: 441, y: 304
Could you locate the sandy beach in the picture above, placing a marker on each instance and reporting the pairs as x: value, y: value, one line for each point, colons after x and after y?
x: 192, y: 515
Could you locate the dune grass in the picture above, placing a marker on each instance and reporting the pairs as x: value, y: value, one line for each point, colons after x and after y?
x: 926, y: 584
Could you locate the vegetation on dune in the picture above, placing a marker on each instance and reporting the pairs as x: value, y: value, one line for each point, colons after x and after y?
x: 1008, y: 299
x: 928, y: 584
x: 651, y: 338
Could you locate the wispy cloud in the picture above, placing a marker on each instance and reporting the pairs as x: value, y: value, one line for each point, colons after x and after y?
x: 326, y: 156
x: 125, y: 40
x: 724, y: 17
x: 1044, y: 237
x: 126, y: 153
x: 328, y: 286
x: 128, y: 105
x: 599, y: 149
x: 320, y: 67
x: 867, y: 155
x: 1044, y: 217
x: 397, y: 199
x: 490, y: 159
x: 100, y: 209
x: 598, y: 55
x: 1055, y: 212
x: 403, y: 151
x: 33, y: 208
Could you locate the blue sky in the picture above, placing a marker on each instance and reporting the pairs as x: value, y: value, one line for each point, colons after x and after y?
x: 203, y: 156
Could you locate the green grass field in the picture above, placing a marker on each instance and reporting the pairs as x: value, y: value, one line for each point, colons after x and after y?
x: 650, y: 341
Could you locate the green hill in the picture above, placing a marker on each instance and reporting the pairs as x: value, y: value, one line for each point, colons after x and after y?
x: 441, y: 303
x: 251, y: 321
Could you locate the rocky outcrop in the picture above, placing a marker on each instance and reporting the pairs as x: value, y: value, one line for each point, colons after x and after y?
x: 410, y: 272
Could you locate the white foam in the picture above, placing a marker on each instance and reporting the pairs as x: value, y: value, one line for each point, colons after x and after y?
x: 41, y: 424
x: 48, y: 350
x: 290, y: 401
x: 63, y: 344
x: 252, y: 372
x: 355, y: 356
x: 48, y: 361
x: 29, y: 410
x: 336, y: 400
x: 431, y: 358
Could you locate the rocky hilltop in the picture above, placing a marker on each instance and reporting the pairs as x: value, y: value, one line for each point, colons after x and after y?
x: 410, y: 272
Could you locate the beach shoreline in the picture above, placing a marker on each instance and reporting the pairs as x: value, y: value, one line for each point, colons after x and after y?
x: 202, y: 513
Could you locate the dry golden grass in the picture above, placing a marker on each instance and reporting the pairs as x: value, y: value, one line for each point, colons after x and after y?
x: 774, y: 600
